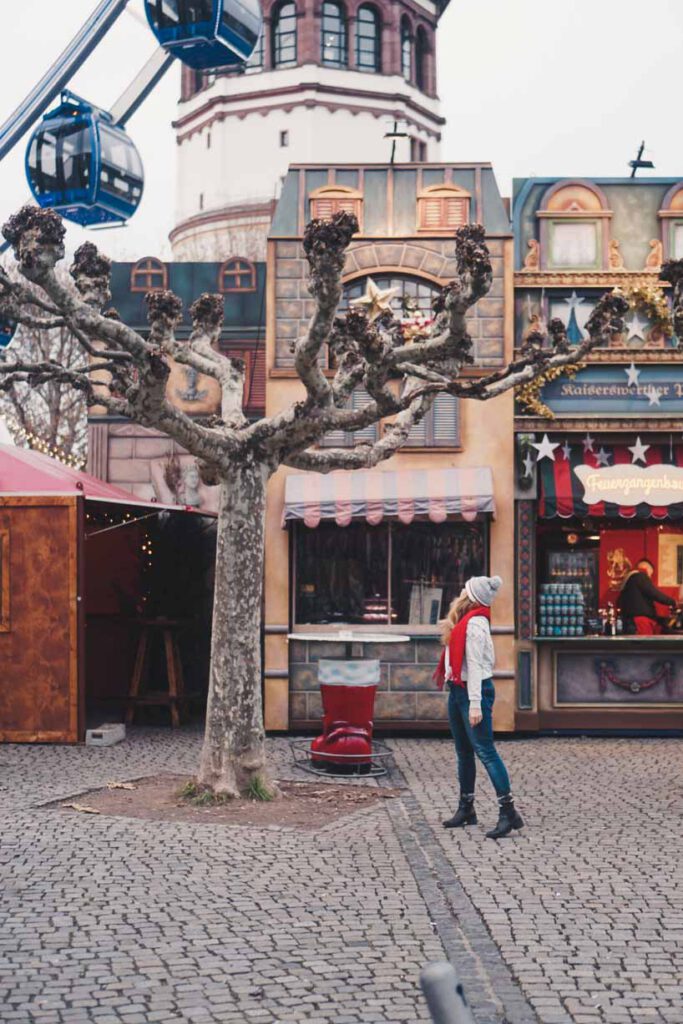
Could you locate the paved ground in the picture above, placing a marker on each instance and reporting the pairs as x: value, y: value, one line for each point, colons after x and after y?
x: 578, y: 919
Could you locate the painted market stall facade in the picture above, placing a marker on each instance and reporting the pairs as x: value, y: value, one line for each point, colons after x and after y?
x: 599, y: 458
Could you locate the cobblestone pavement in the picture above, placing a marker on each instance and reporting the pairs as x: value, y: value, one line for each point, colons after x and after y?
x: 586, y: 903
x: 579, y: 918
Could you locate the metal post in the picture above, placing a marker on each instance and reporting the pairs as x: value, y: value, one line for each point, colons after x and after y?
x: 444, y: 994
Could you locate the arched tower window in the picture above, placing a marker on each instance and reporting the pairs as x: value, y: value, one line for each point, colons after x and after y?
x: 148, y: 275
x: 284, y: 36
x: 406, y: 50
x: 422, y: 59
x: 368, y: 39
x: 255, y: 62
x: 333, y: 43
x: 237, y: 275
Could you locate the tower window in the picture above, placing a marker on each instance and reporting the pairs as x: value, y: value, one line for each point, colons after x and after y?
x: 237, y: 275
x: 148, y: 275
x: 334, y: 47
x: 208, y: 140
x: 284, y: 36
x: 368, y: 48
x: 421, y: 59
x: 201, y: 200
x: 418, y: 150
x: 406, y: 50
x: 255, y: 62
x: 284, y: 138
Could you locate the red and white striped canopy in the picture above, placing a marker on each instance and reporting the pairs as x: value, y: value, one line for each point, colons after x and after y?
x: 402, y: 494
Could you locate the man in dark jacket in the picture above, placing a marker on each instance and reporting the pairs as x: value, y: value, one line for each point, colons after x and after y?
x: 637, y: 601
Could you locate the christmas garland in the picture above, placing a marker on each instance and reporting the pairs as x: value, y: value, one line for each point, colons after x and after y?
x: 650, y: 300
x: 529, y: 395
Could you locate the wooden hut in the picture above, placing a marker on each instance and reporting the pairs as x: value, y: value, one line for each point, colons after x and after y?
x: 80, y: 576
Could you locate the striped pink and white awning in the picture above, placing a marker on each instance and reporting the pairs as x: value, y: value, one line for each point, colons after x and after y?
x: 403, y: 494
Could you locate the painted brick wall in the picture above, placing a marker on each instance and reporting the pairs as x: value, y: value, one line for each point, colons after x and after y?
x: 293, y: 305
x: 406, y: 691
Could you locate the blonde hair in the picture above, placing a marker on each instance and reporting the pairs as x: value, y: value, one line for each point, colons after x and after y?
x: 459, y: 607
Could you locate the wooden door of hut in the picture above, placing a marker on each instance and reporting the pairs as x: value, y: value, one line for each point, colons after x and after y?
x: 40, y: 697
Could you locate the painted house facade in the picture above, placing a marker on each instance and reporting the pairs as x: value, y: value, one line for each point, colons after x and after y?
x: 384, y: 551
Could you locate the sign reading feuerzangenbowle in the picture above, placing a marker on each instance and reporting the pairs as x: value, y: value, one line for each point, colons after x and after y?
x: 631, y: 485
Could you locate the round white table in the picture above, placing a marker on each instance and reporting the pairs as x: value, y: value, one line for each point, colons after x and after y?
x: 348, y: 637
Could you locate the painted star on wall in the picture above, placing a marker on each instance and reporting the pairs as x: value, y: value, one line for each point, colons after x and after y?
x: 588, y: 444
x: 654, y: 396
x: 603, y: 457
x: 633, y: 373
x: 567, y: 450
x: 528, y: 465
x: 375, y: 301
x: 636, y: 328
x: 638, y: 452
x: 546, y: 449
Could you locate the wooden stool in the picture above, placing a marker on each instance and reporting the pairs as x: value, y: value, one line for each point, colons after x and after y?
x: 176, y: 688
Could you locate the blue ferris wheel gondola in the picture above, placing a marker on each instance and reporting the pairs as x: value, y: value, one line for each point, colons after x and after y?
x: 206, y: 33
x: 7, y: 329
x: 83, y: 165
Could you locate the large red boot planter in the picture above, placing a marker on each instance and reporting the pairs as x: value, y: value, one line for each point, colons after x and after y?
x: 348, y: 694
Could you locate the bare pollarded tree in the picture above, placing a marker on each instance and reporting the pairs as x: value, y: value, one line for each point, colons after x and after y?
x: 51, y: 415
x: 401, y: 377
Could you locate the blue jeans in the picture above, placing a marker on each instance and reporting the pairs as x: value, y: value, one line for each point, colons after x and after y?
x: 478, y: 739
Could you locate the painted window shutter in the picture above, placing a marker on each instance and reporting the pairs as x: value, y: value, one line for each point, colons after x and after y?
x: 446, y: 421
x: 455, y: 212
x: 440, y: 428
x: 347, y: 439
x: 417, y: 438
x: 431, y: 213
x: 323, y: 209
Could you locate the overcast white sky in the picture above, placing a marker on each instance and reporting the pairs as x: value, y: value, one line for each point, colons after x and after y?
x: 566, y: 87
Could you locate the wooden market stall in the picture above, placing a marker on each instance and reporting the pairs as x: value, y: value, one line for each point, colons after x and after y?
x: 85, y: 570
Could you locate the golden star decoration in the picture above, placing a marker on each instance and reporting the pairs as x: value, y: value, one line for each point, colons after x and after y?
x: 375, y: 301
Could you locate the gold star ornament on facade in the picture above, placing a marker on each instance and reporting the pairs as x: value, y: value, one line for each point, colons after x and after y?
x: 376, y: 300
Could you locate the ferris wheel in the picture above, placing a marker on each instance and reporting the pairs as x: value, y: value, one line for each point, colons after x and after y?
x: 80, y: 161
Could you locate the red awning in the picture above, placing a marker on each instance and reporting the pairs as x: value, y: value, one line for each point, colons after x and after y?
x: 401, y: 494
x: 26, y: 472
x: 561, y: 492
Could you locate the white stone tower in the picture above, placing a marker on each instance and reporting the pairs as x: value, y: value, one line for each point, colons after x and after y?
x: 325, y: 85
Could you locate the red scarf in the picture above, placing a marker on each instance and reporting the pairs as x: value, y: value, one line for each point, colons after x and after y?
x: 456, y: 648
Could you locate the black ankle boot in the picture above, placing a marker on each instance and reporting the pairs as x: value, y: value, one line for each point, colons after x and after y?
x: 465, y: 814
x: 508, y: 819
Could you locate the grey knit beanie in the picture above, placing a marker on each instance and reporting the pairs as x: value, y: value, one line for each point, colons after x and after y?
x: 483, y: 589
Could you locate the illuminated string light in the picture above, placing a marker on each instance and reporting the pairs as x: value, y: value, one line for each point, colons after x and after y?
x: 39, y: 444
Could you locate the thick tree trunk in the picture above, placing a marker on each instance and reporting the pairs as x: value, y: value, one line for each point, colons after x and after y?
x: 233, y: 756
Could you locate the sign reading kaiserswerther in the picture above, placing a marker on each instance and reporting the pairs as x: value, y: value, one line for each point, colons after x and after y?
x: 618, y: 390
x: 632, y: 485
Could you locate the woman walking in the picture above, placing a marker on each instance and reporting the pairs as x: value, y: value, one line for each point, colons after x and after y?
x: 467, y: 667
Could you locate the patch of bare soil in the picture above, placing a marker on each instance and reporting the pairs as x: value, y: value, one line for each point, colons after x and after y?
x: 303, y: 805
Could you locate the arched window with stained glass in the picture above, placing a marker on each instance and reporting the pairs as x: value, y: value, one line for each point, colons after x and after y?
x: 368, y: 39
x: 334, y: 42
x: 284, y: 36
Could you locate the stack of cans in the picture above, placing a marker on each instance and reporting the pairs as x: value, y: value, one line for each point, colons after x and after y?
x: 561, y: 611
